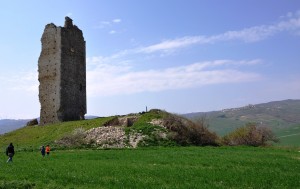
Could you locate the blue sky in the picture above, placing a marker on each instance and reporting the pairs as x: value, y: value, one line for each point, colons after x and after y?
x: 180, y: 56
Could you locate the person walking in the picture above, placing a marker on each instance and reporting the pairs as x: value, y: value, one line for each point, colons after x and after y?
x: 47, y: 150
x: 10, y: 152
x: 43, y: 151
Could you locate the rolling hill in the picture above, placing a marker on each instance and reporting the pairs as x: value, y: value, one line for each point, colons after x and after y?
x: 7, y: 125
x: 283, y: 117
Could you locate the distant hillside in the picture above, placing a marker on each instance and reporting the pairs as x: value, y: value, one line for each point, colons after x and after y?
x: 7, y: 125
x: 279, y: 115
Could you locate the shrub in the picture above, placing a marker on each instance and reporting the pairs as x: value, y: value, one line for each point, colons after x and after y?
x: 186, y: 132
x: 250, y: 135
x: 75, y: 139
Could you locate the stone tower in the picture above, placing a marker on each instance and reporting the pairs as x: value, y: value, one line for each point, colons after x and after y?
x: 62, y: 74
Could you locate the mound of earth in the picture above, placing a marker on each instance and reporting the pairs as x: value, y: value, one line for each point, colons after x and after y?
x: 155, y: 127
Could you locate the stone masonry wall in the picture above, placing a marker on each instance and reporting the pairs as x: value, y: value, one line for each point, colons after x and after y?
x: 62, y: 74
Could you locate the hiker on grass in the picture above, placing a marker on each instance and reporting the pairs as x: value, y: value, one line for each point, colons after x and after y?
x: 10, y: 152
x: 43, y: 151
x: 47, y: 150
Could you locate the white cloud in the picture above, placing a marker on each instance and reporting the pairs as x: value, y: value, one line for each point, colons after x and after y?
x: 119, y: 79
x: 108, y: 23
x: 173, y: 44
x: 115, y: 59
x: 112, y: 32
x: 25, y: 81
x: 291, y: 23
x: 117, y: 20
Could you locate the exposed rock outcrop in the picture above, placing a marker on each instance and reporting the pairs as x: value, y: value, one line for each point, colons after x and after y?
x: 32, y: 122
x: 106, y: 137
x: 112, y: 137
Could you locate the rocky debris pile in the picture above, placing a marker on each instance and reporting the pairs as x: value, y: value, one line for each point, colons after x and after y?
x: 112, y: 137
x: 107, y: 137
x: 158, y: 122
x: 135, y: 138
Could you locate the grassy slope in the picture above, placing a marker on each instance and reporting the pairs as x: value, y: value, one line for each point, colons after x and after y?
x: 35, y: 136
x: 142, y: 124
x: 32, y: 137
x: 179, y: 167
x: 289, y: 136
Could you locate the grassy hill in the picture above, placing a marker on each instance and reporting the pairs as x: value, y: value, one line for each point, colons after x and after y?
x: 35, y: 136
x: 289, y: 136
x: 154, y: 128
x: 283, y: 117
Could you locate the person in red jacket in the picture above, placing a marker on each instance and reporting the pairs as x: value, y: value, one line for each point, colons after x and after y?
x: 47, y: 150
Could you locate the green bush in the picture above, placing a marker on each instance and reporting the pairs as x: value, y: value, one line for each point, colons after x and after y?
x: 186, y: 132
x: 75, y: 139
x: 250, y: 135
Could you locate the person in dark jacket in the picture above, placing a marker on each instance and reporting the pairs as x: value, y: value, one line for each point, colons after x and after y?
x: 43, y: 151
x: 10, y: 152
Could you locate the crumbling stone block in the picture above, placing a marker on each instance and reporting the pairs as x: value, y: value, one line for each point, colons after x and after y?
x: 32, y: 122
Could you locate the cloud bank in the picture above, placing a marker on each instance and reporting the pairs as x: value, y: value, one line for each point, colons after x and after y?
x: 109, y: 79
x: 289, y: 23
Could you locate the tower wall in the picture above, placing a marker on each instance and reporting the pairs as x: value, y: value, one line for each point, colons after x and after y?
x: 62, y: 74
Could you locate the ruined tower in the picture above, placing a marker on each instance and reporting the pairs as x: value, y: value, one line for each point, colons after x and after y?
x: 62, y: 74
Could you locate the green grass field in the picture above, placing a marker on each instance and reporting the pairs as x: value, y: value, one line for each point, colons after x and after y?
x: 160, y: 167
x: 177, y: 167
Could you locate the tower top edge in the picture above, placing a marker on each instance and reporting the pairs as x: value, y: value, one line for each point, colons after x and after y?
x: 68, y: 24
